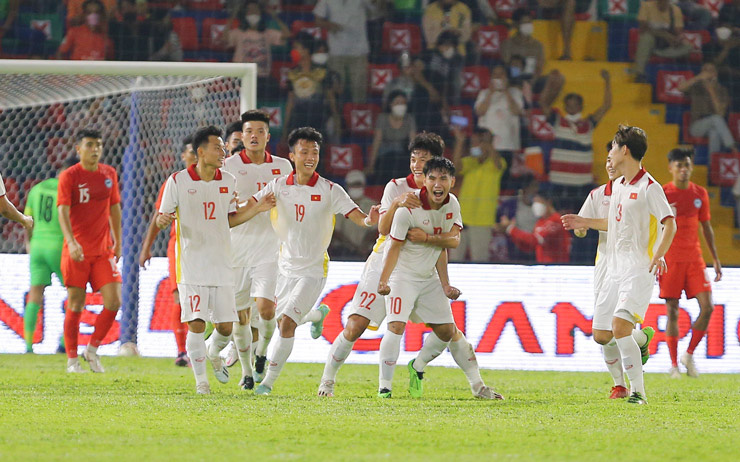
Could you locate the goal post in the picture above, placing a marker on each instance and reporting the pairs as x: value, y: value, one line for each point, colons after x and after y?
x: 144, y: 109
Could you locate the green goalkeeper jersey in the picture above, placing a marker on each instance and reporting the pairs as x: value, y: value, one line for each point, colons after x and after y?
x: 42, y: 206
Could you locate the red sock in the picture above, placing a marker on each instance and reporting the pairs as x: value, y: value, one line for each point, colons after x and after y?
x: 180, y: 329
x: 102, y: 326
x: 672, y: 343
x: 696, y: 336
x: 71, y: 332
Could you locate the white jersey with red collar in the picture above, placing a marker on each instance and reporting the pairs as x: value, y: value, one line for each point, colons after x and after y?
x: 636, y: 210
x: 596, y: 205
x: 2, y: 186
x: 417, y: 261
x: 203, y: 250
x: 393, y: 189
x: 304, y: 222
x: 254, y: 242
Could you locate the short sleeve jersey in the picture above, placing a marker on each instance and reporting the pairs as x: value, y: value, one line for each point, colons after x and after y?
x: 393, y: 189
x: 690, y: 206
x: 303, y: 219
x: 42, y: 206
x: 636, y: 209
x: 2, y: 186
x: 597, y: 206
x: 90, y: 195
x: 255, y: 242
x: 173, y: 227
x: 417, y: 260
x: 203, y: 251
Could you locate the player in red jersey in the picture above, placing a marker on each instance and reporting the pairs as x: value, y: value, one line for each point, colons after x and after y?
x: 90, y: 217
x: 686, y: 267
x: 180, y: 329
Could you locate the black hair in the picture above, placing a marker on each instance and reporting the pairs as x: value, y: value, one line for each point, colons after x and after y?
x: 519, y: 13
x: 634, y: 138
x: 608, y: 146
x: 448, y: 37
x: 242, y: 12
x: 519, y: 57
x: 574, y: 95
x: 88, y: 133
x: 201, y: 136
x: 481, y: 131
x: 440, y: 164
x: 392, y: 95
x: 527, y: 180
x: 232, y: 128
x: 186, y: 141
x: 304, y: 133
x: 96, y: 2
x: 683, y: 153
x: 255, y: 115
x: 428, y: 141
x: 306, y: 40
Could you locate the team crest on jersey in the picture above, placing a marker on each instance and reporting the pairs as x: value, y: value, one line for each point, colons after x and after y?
x: 108, y: 183
x: 192, y: 191
x: 223, y: 189
x: 276, y: 171
x: 449, y: 216
x: 633, y: 195
x: 425, y: 222
x: 315, y: 197
x: 697, y: 203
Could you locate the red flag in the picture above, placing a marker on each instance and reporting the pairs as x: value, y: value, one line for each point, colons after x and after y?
x: 223, y: 190
x: 315, y: 197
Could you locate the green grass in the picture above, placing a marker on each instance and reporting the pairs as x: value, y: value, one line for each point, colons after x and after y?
x: 146, y: 409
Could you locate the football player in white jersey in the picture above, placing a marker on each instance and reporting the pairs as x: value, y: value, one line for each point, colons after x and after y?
x: 367, y: 309
x: 303, y: 219
x: 203, y: 199
x: 417, y: 291
x: 8, y: 210
x: 254, y: 244
x: 635, y: 247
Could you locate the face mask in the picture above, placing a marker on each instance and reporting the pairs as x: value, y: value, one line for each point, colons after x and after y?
x: 448, y: 53
x: 526, y: 29
x: 253, y: 19
x: 723, y: 33
x: 355, y: 192
x: 539, y: 209
x: 497, y: 84
x: 476, y: 151
x: 319, y: 59
x: 573, y: 117
x: 398, y: 110
x: 515, y: 72
x: 93, y: 19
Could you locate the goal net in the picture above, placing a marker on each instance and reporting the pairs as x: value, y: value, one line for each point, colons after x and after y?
x: 144, y: 111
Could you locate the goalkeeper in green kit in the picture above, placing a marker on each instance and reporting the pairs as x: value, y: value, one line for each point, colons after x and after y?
x: 44, y: 245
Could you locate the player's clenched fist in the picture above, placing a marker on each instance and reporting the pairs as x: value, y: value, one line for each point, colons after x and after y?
x: 164, y: 220
x: 75, y: 251
x: 383, y: 288
x: 453, y: 293
x: 572, y: 221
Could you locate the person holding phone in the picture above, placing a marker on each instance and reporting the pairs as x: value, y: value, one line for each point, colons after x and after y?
x: 388, y: 157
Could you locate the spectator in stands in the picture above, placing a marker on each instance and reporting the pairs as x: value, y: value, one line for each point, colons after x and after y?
x: 729, y: 16
x: 388, y: 156
x: 348, y: 241
x: 76, y: 11
x: 29, y: 41
x: 310, y: 101
x: 480, y: 171
x: 709, y: 103
x: 405, y: 82
x: 522, y: 44
x: 567, y: 10
x: 499, y: 109
x: 661, y: 25
x: 88, y: 41
x: 724, y: 52
x: 443, y: 68
x: 520, y: 210
x: 346, y: 21
x: 447, y: 15
x: 697, y: 17
x: 131, y: 32
x: 571, y: 158
x: 165, y: 44
x: 549, y: 240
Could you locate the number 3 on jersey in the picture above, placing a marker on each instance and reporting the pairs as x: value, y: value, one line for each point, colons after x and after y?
x: 619, y: 212
x: 209, y: 208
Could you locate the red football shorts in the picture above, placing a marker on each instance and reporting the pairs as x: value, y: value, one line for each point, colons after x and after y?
x: 684, y: 276
x: 98, y: 271
x: 172, y: 259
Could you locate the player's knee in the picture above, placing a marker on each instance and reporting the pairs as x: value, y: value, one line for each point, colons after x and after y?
x: 706, y: 309
x: 197, y: 326
x: 243, y: 317
x: 458, y: 335
x: 224, y: 328
x: 602, y: 337
x: 444, y: 332
x: 355, y: 327
x: 287, y: 327
x: 397, y: 327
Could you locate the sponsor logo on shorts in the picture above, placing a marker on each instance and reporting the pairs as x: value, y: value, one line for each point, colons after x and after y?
x: 633, y: 196
x: 296, y: 310
x: 108, y: 183
x: 81, y: 185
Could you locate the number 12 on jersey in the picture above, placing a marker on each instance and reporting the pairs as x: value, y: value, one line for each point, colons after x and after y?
x: 209, y: 208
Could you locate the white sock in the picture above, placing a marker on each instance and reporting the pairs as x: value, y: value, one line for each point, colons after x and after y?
x: 464, y: 356
x: 243, y: 343
x: 313, y: 316
x: 613, y: 360
x: 280, y: 353
x: 632, y: 362
x: 92, y: 349
x: 390, y: 348
x: 266, y: 331
x: 195, y: 345
x: 640, y: 337
x: 340, y: 349
x: 216, y: 343
x: 432, y: 348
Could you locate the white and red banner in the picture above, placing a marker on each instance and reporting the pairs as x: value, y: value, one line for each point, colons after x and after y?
x: 516, y: 317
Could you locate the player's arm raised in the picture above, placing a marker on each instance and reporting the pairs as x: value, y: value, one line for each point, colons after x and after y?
x: 251, y: 208
x: 706, y: 228
x: 115, y: 226
x: 408, y: 200
x: 359, y: 218
x: 572, y: 221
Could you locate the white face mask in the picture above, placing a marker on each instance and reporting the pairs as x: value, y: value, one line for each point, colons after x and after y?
x: 573, y: 117
x: 253, y: 19
x: 476, y: 151
x: 526, y: 29
x: 449, y: 53
x: 539, y: 209
x: 723, y: 33
x: 398, y: 110
x: 319, y: 59
x: 355, y: 192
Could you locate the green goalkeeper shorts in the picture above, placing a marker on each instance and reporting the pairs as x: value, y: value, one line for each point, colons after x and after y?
x: 44, y: 261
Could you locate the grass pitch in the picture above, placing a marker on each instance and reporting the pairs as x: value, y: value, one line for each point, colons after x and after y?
x: 146, y: 409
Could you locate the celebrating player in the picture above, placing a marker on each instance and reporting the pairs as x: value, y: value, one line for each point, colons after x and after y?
x: 44, y: 244
x: 8, y: 210
x: 179, y: 328
x: 89, y: 207
x: 255, y: 244
x: 638, y: 204
x: 690, y: 203
x: 203, y: 199
x: 304, y: 221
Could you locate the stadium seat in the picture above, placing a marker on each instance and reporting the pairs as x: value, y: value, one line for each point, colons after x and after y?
x: 186, y: 28
x: 380, y: 75
x: 276, y: 111
x: 400, y: 37
x: 343, y: 158
x: 734, y: 122
x: 687, y: 138
x: 713, y: 6
x: 504, y: 8
x: 308, y: 26
x: 474, y: 79
x: 467, y: 112
x: 488, y: 40
x: 539, y: 127
x: 206, y: 5
x: 724, y: 168
x: 213, y: 31
x: 666, y: 86
x: 359, y: 118
x: 280, y: 71
x: 697, y: 38
x: 619, y: 9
